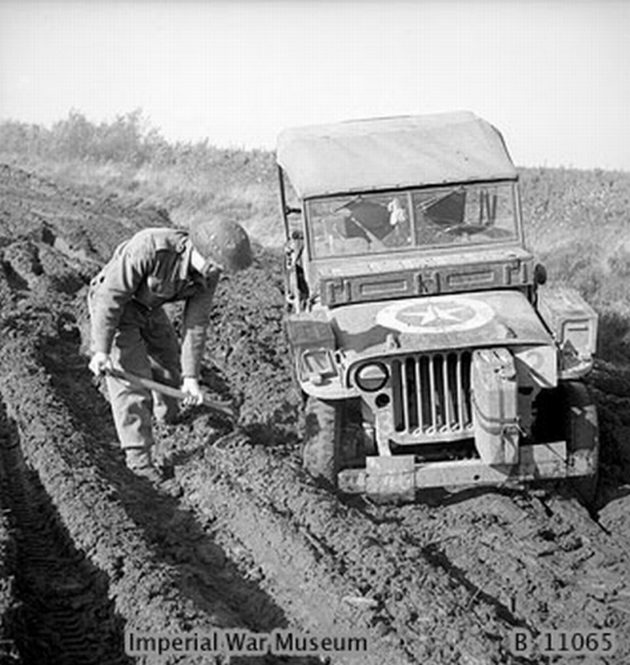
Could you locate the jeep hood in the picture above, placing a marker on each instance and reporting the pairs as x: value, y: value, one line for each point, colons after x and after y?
x: 491, y: 318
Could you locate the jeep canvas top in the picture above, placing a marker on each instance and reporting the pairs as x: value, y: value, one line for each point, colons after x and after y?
x: 393, y: 153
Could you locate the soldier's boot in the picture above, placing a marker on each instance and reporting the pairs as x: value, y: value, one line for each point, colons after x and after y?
x: 139, y: 461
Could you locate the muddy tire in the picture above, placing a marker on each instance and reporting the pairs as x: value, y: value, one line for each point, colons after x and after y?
x: 581, y: 433
x: 322, y: 433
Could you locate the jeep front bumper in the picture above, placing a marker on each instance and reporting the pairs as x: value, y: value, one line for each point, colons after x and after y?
x: 400, y: 476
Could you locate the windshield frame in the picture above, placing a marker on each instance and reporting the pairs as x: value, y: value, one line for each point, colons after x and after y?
x: 407, y: 195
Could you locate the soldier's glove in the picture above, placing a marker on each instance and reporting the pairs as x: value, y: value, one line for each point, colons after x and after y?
x: 190, y: 386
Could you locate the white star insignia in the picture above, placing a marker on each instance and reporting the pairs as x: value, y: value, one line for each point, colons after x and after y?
x: 434, y: 314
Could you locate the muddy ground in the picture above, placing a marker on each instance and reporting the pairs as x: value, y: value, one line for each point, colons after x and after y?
x: 89, y: 551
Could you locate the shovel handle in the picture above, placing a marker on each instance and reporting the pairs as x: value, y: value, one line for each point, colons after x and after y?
x: 225, y: 409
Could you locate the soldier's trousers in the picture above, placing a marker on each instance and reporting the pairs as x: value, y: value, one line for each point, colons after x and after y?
x: 145, y: 344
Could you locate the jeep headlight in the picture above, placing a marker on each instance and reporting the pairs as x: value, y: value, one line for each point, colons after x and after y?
x: 371, y: 377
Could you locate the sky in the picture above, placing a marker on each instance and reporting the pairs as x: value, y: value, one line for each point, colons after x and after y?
x: 553, y: 76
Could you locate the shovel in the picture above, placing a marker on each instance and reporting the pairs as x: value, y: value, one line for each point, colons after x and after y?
x: 220, y: 407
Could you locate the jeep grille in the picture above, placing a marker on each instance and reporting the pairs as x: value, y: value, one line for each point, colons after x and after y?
x: 431, y: 396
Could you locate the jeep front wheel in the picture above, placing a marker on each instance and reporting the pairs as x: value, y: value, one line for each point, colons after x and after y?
x: 320, y: 452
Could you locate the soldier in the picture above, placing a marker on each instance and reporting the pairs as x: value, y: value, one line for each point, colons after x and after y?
x: 131, y: 331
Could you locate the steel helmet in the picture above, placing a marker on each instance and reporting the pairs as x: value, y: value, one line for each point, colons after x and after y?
x: 222, y: 241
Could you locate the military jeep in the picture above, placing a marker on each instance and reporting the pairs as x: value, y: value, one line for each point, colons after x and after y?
x: 428, y: 348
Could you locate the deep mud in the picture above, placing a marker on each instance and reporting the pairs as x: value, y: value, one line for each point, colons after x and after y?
x: 88, y: 551
x: 9, y: 626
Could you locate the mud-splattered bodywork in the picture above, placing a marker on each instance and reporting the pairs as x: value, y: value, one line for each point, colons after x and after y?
x: 414, y: 300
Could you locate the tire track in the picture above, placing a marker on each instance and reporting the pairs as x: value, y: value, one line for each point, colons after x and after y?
x: 208, y: 575
x: 9, y: 604
x: 65, y: 616
x: 150, y: 593
x: 472, y: 570
x: 364, y: 577
x: 540, y: 554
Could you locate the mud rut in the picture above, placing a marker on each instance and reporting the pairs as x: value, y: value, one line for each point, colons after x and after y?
x: 87, y: 549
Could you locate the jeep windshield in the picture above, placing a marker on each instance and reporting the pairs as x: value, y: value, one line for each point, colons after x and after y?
x: 403, y: 219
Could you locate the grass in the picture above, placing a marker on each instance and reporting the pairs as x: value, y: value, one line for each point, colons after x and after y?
x: 578, y: 224
x: 186, y: 179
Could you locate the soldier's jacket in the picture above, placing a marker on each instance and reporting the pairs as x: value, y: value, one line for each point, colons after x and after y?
x: 149, y: 270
